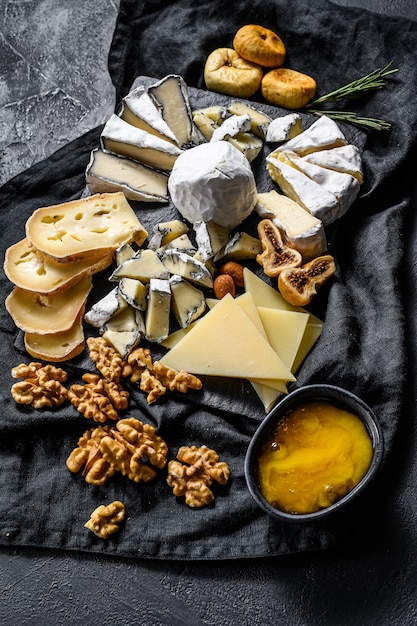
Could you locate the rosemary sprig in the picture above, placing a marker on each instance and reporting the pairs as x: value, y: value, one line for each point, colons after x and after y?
x: 355, y: 89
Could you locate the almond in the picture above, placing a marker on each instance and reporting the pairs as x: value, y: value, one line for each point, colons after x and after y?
x: 223, y: 284
x: 235, y: 270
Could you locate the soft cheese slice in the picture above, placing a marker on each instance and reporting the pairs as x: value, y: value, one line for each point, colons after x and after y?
x: 205, y: 124
x: 182, y: 243
x: 239, y: 247
x: 83, y: 228
x: 343, y: 186
x: 324, y: 133
x: 259, y: 121
x: 106, y: 308
x: 28, y: 269
x: 299, y: 228
x: 342, y: 159
x: 45, y: 315
x: 122, y: 138
x: 226, y: 343
x: 164, y: 232
x: 177, y: 262
x: 171, y: 96
x: 305, y: 191
x: 232, y: 126
x: 158, y: 310
x: 143, y: 266
x: 122, y: 340
x: 111, y: 172
x: 139, y: 109
x: 210, y: 238
x: 135, y: 292
x: 284, y: 128
x: 248, y: 144
x: 188, y: 302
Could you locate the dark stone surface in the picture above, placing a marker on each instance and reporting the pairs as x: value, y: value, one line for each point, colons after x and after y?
x: 54, y: 86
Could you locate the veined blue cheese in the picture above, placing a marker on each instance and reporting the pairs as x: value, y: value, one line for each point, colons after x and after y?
x: 182, y: 243
x: 205, y: 124
x: 213, y: 182
x: 324, y: 133
x: 140, y: 110
x: 158, y: 310
x: 135, y: 292
x: 170, y: 95
x: 298, y: 227
x: 284, y: 128
x: 122, y: 138
x: 305, y: 191
x: 108, y: 172
x: 239, y: 247
x: 177, y: 262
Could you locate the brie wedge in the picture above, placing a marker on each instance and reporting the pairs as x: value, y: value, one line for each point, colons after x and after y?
x: 139, y: 109
x: 324, y: 133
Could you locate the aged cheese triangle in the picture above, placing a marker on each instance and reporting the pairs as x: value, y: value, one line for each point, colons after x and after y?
x: 284, y: 330
x: 226, y: 343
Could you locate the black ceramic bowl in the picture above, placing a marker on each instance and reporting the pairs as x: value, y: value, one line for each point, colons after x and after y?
x: 338, y: 397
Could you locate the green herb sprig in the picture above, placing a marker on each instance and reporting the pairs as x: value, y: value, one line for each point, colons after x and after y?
x: 357, y: 88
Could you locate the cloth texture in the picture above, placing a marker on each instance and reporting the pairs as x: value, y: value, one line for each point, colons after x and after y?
x: 363, y: 346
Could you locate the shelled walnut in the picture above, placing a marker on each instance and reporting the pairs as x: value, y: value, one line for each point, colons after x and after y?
x: 42, y: 385
x: 131, y: 448
x: 98, y: 399
x: 193, y: 473
x: 105, y: 520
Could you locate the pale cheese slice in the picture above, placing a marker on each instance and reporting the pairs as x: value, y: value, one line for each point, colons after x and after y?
x: 139, y: 109
x: 226, y: 343
x: 158, y: 310
x: 205, y: 124
x: 170, y: 95
x: 299, y: 228
x: 57, y: 347
x: 259, y: 121
x: 284, y: 128
x: 232, y: 126
x: 111, y: 172
x: 324, y: 133
x: 284, y: 331
x: 299, y: 187
x: 122, y: 138
x: 342, y: 159
x: 343, y: 186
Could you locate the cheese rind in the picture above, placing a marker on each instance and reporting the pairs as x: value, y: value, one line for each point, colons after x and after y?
x: 299, y: 228
x: 188, y: 302
x: 108, y: 172
x: 232, y: 126
x: 120, y: 137
x: 259, y: 121
x: 284, y: 128
x: 324, y: 133
x: 105, y: 308
x: 342, y: 159
x: 158, y: 310
x: 139, y: 109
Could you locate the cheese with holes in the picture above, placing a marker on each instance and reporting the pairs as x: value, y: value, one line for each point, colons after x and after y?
x: 302, y: 189
x: 259, y: 121
x: 140, y: 110
x: 82, y: 228
x: 170, y: 95
x: 109, y: 172
x: 324, y: 133
x: 226, y: 343
x: 345, y: 159
x: 213, y: 182
x: 284, y: 128
x: 158, y: 310
x: 188, y: 302
x: 120, y: 137
x: 298, y: 227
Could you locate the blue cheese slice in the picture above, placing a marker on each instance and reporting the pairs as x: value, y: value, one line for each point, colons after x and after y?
x: 182, y: 243
x: 299, y: 228
x: 158, y: 310
x: 205, y: 124
x: 305, y: 191
x: 164, y: 232
x: 135, y: 292
x: 284, y: 128
x: 103, y: 310
x: 139, y: 109
x: 239, y: 247
x: 210, y: 238
x: 122, y: 138
x: 144, y: 266
x: 324, y: 133
x: 231, y: 127
x: 111, y: 172
x: 259, y: 121
x: 170, y: 95
x: 188, y: 302
x: 177, y: 262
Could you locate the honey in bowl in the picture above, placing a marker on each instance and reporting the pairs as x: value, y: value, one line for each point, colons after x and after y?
x: 316, y: 454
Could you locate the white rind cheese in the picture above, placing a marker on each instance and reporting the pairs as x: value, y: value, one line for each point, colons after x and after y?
x: 122, y: 138
x: 188, y: 302
x: 135, y: 292
x: 143, y: 266
x: 213, y: 182
x: 232, y: 126
x: 110, y: 172
x: 210, y: 238
x: 103, y: 310
x: 342, y: 185
x: 324, y: 133
x: 345, y: 159
x: 284, y: 128
x: 177, y: 262
x: 305, y: 191
x: 259, y: 121
x: 164, y: 232
x: 205, y: 124
x: 239, y: 247
x: 170, y: 95
x: 139, y: 109
x: 299, y: 228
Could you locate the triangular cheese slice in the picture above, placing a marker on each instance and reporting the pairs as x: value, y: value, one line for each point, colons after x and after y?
x: 342, y: 159
x: 226, y: 343
x: 323, y: 134
x: 285, y: 331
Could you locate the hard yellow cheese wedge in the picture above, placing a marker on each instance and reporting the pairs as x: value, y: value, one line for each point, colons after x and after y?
x: 226, y: 343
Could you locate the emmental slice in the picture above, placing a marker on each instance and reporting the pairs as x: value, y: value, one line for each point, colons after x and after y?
x: 83, y: 228
x: 226, y: 343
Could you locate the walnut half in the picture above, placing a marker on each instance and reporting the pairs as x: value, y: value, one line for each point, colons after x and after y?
x: 105, y: 520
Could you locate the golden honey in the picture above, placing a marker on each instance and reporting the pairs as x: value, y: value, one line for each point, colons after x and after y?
x: 317, y: 453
